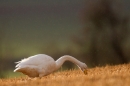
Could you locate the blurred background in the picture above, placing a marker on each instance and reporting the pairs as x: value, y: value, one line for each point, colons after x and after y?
x: 96, y: 32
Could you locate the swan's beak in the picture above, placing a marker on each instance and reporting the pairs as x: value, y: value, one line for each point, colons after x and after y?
x: 85, y: 71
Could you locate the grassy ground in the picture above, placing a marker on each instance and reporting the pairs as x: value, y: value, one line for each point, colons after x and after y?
x: 118, y: 75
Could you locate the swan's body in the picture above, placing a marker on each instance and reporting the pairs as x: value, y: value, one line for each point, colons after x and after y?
x: 41, y: 65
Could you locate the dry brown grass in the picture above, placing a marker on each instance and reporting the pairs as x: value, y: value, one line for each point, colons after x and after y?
x: 118, y: 75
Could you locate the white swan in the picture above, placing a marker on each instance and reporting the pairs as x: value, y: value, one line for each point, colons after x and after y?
x: 41, y: 65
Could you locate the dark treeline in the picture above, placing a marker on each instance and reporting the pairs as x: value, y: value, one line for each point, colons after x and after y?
x: 105, y: 34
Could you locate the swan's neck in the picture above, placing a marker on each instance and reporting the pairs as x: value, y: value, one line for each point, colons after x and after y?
x: 62, y: 59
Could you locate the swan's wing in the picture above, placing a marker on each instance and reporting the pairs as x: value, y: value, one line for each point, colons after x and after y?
x: 22, y: 62
x: 36, y: 60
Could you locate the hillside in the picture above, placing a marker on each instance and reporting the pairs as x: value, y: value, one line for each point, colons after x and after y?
x: 118, y: 75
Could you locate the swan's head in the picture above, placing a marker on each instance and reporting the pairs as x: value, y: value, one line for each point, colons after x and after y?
x: 83, y: 67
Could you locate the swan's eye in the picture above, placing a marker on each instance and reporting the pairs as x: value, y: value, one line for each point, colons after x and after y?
x: 85, y: 71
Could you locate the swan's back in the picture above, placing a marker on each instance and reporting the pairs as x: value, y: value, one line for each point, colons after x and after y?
x: 34, y: 65
x: 35, y: 60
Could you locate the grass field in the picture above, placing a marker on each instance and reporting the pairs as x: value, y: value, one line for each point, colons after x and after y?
x: 118, y: 75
